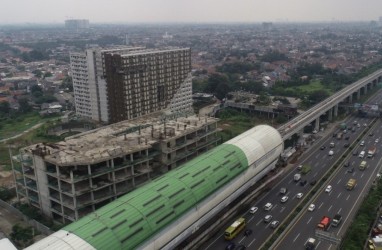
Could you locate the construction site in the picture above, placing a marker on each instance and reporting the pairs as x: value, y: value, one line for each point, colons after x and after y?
x: 71, y: 178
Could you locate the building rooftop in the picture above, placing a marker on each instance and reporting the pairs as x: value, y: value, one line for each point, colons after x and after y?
x: 118, y: 139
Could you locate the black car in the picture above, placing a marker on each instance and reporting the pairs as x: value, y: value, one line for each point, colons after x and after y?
x: 303, y: 182
x: 313, y: 182
x: 335, y: 135
x: 323, y: 147
x: 371, y: 134
x: 346, y: 145
x: 241, y: 247
x: 248, y: 232
x: 230, y: 246
x: 351, y: 170
x: 347, y: 164
x: 347, y: 138
x: 355, y: 152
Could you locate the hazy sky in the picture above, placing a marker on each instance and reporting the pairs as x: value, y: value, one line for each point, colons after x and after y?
x: 56, y: 11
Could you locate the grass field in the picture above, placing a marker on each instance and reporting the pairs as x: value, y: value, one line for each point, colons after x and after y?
x: 11, y: 127
x: 314, y: 85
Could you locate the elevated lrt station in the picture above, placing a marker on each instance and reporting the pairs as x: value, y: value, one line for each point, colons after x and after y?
x: 167, y: 210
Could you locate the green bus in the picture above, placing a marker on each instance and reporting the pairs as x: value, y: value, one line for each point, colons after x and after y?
x: 233, y: 230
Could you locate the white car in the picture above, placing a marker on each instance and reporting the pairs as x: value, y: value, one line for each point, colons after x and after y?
x: 328, y: 189
x: 376, y: 140
x: 331, y: 152
x: 362, y: 143
x: 268, y: 206
x: 267, y: 218
x: 275, y: 223
x: 311, y: 207
x: 299, y: 195
x: 284, y: 199
x: 253, y: 210
x: 365, y: 125
x: 314, y: 131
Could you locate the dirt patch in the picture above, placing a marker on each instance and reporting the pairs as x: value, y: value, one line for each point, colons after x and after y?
x: 6, y: 178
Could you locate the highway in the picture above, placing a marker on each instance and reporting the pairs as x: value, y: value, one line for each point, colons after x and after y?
x: 320, y: 162
x: 339, y: 200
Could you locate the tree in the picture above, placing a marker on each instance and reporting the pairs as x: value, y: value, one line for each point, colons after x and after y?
x: 48, y: 74
x: 318, y: 96
x: 67, y: 83
x: 37, y: 73
x: 36, y: 88
x: 22, y: 236
x: 24, y: 105
x: 5, y: 107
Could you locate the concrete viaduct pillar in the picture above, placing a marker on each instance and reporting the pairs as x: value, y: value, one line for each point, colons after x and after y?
x: 358, y: 94
x: 335, y: 109
x: 330, y: 114
x: 351, y: 98
x: 317, y: 124
x: 365, y: 89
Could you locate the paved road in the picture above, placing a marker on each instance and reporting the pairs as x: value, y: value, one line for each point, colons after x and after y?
x: 339, y: 200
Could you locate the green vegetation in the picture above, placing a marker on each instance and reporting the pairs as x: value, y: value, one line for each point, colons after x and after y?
x: 22, y: 236
x: 237, y: 67
x: 358, y: 231
x: 14, y: 125
x: 234, y: 123
x: 306, y: 169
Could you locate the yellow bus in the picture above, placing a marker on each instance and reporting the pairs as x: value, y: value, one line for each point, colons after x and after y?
x: 233, y: 230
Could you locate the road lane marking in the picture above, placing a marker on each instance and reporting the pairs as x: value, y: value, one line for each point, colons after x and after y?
x: 290, y: 182
x: 274, y: 207
x: 282, y: 209
x: 353, y: 163
x: 339, y: 181
x: 316, y: 164
x: 362, y: 175
x: 241, y: 240
x: 309, y: 220
x: 321, y: 205
x: 315, y: 174
x: 251, y: 242
x: 259, y: 222
x: 330, y: 208
x: 213, y: 242
x: 251, y: 218
x: 296, y: 237
x: 339, y: 195
x: 339, y: 211
x: 348, y: 197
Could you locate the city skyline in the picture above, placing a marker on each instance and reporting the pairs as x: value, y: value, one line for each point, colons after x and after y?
x: 198, y: 11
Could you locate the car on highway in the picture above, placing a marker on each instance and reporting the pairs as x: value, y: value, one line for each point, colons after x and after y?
x: 371, y: 134
x: 355, y: 152
x: 241, y: 247
x: 314, y: 131
x: 347, y: 138
x: 355, y: 122
x: 248, y: 232
x: 313, y: 182
x: 358, y: 125
x: 284, y: 199
x: 268, y: 206
x: 347, y: 164
x: 303, y: 182
x: 299, y: 195
x: 299, y: 167
x: 311, y: 207
x: 362, y: 143
x: 275, y: 223
x: 365, y: 125
x: 331, y: 152
x: 267, y: 218
x: 362, y: 154
x: 283, y: 190
x: 322, y: 147
x: 350, y: 170
x: 328, y: 189
x: 253, y: 210
x: 346, y: 145
x: 376, y: 140
x: 230, y: 246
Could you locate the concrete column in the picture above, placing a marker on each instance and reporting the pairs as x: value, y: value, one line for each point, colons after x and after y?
x: 351, y: 98
x: 317, y: 124
x: 358, y: 94
x: 365, y: 88
x: 330, y: 114
x: 335, y: 110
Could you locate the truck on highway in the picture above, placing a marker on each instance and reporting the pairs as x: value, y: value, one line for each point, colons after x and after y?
x: 310, y: 244
x: 306, y: 169
x: 343, y: 126
x: 371, y: 151
x: 363, y: 165
x: 297, y: 177
x: 336, y: 220
x: 350, y: 184
x: 324, y: 223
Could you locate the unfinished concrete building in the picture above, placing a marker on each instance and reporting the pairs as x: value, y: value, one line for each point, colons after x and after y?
x: 69, y: 179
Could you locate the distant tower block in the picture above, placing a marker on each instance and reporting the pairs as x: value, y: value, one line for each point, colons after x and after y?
x: 267, y: 25
x: 76, y: 24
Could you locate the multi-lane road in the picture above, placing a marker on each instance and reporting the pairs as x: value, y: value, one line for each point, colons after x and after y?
x: 339, y: 200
